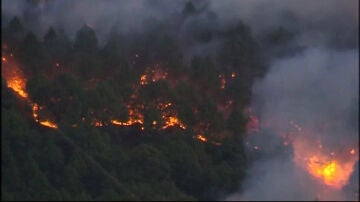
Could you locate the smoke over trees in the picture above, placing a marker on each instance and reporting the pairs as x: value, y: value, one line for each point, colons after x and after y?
x: 149, y: 97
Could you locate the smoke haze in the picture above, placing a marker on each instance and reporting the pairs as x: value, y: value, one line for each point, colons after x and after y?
x: 316, y: 86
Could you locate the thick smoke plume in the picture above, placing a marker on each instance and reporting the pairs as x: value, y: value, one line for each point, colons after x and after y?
x: 315, y: 88
x: 313, y: 21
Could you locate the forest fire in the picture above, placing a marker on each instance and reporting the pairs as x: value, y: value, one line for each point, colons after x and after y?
x: 331, y: 167
x: 173, y: 121
x: 14, y: 78
x: 333, y: 170
x: 17, y: 82
x: 153, y: 74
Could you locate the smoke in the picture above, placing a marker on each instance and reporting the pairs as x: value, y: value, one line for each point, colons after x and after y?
x: 316, y: 22
x: 315, y: 87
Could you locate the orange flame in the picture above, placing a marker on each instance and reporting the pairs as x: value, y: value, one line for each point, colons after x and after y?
x: 17, y: 82
x: 173, y: 121
x: 201, y: 138
x: 333, y: 170
x: 47, y: 123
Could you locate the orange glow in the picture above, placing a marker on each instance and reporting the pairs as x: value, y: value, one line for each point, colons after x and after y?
x: 57, y: 65
x: 153, y: 74
x: 173, y: 121
x: 143, y: 80
x: 98, y: 124
x: 14, y: 79
x: 3, y: 59
x: 48, y: 124
x: 329, y: 171
x: 233, y: 75
x: 201, y: 138
x: 17, y: 82
x: 134, y: 117
x: 18, y: 85
x: 332, y: 169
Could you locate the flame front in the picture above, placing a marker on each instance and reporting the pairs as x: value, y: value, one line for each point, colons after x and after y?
x: 16, y: 81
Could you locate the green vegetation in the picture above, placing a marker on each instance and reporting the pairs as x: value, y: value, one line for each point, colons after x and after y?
x: 79, y: 82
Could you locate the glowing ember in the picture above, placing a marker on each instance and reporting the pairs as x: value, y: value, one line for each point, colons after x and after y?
x: 201, y: 138
x: 153, y: 74
x: 98, y: 124
x: 233, y: 75
x: 143, y: 80
x: 173, y: 121
x: 3, y: 59
x: 48, y: 124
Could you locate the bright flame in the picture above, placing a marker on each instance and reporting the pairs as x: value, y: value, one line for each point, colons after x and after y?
x: 330, y: 172
x: 333, y: 170
x: 173, y: 121
x: 17, y: 82
x: 48, y: 124
x: 18, y: 85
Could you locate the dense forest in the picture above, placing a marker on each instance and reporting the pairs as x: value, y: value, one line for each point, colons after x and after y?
x: 133, y: 119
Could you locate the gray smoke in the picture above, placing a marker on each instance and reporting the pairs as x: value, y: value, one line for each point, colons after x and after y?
x: 313, y: 87
x: 316, y: 85
x: 315, y: 22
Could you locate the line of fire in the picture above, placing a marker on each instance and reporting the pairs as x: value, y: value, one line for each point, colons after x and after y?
x: 333, y: 169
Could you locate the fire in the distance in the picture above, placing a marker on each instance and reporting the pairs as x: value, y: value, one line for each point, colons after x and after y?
x: 16, y: 81
x: 329, y: 167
